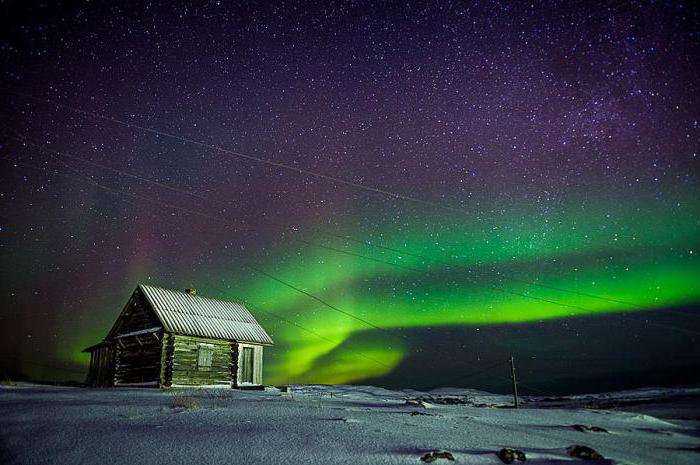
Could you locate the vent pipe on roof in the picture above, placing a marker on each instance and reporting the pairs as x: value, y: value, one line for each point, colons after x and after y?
x: 191, y: 291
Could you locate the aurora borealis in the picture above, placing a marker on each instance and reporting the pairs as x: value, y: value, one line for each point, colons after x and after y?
x: 403, y: 195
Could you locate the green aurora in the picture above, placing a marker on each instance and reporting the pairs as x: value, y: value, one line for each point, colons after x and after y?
x: 524, y: 267
x: 421, y: 189
x: 476, y: 275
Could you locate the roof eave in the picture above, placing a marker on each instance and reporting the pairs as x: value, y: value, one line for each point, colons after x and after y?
x: 241, y: 341
x: 95, y: 346
x: 166, y: 326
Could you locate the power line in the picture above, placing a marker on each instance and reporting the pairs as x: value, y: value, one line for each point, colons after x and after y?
x: 519, y: 294
x: 493, y: 287
x: 336, y: 250
x: 259, y: 271
x: 236, y: 154
x: 341, y: 251
x: 247, y: 265
x: 316, y: 244
x: 315, y: 297
x: 323, y: 302
x: 89, y: 180
x: 22, y: 139
x: 115, y: 192
x: 366, y: 243
x: 372, y: 244
x: 308, y: 172
x: 388, y: 263
x: 257, y: 308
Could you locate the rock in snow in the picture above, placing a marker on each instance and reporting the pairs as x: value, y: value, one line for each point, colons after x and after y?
x: 508, y: 455
x: 584, y: 452
x: 592, y: 429
x: 437, y: 455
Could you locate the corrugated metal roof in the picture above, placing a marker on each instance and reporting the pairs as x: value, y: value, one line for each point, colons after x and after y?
x: 194, y: 315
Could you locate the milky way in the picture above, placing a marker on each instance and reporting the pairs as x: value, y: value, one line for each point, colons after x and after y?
x: 402, y: 194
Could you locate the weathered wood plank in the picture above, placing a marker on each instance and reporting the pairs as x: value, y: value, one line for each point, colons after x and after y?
x: 101, y: 372
x: 257, y: 365
x: 137, y: 315
x: 166, y: 373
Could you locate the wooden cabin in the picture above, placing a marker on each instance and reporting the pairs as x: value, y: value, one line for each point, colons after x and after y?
x: 169, y: 338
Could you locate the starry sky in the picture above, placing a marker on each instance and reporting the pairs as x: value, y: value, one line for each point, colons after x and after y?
x: 404, y: 194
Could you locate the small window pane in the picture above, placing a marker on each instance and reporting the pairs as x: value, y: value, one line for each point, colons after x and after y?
x: 204, y: 355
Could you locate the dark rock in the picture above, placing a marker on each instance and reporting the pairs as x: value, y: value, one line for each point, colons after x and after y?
x: 584, y: 452
x: 416, y: 412
x: 418, y: 403
x: 435, y: 455
x: 510, y: 455
x: 592, y: 429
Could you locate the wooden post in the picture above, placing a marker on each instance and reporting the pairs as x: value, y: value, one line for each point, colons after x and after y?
x: 515, y: 382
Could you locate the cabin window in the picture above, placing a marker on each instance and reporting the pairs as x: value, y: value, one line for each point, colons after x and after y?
x: 204, y: 355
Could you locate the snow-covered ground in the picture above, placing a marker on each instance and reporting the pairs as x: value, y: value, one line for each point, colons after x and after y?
x: 337, y: 424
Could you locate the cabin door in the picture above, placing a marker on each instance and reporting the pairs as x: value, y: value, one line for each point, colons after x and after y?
x: 247, y: 365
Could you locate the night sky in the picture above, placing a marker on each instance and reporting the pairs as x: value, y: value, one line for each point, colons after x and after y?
x: 404, y: 195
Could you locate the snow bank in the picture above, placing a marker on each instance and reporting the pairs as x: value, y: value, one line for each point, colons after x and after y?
x: 318, y: 425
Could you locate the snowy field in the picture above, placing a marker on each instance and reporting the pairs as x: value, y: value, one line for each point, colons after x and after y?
x: 339, y: 424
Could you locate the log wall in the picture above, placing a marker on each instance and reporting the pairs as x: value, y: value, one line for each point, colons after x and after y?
x: 185, y: 368
x: 137, y: 359
x: 234, y: 364
x: 101, y: 373
x: 136, y: 316
x: 166, y: 360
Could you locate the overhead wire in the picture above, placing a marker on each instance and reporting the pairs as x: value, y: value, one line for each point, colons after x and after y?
x: 118, y: 193
x: 323, y: 302
x: 528, y: 296
x: 19, y: 138
x: 91, y: 180
x: 373, y: 244
x: 330, y: 178
x: 257, y: 308
x: 327, y: 304
x: 237, y: 154
x: 308, y: 172
x: 519, y: 294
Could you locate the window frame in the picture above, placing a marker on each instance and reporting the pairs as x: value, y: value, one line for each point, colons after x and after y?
x: 205, y: 355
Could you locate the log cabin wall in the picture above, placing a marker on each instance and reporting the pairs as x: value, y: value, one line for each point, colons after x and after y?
x: 105, y: 369
x: 234, y: 364
x: 93, y: 370
x: 166, y: 361
x: 136, y: 337
x: 199, y: 361
x: 101, y: 372
x: 138, y: 360
x: 136, y: 316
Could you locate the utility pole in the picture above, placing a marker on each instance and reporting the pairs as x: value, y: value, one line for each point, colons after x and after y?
x: 515, y: 382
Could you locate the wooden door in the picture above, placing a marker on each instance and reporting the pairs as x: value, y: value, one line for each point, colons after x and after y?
x: 247, y: 365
